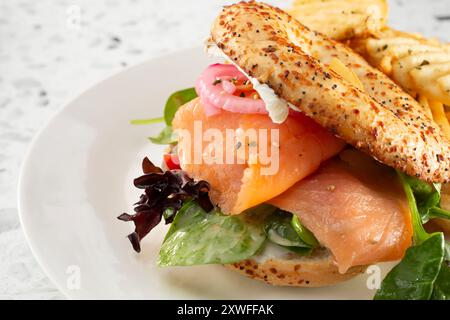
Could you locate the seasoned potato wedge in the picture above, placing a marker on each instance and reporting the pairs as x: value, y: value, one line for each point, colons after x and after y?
x: 385, y: 52
x: 423, y: 101
x: 418, y: 65
x: 439, y: 116
x: 402, y: 67
x: 425, y: 79
x: 444, y: 83
x: 341, y: 19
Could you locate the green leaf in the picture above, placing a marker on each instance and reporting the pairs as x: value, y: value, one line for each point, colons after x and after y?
x: 190, y: 212
x: 435, y: 212
x: 146, y: 121
x: 199, y: 237
x: 427, y: 204
x: 421, y: 274
x: 428, y: 198
x: 175, y: 101
x: 442, y: 285
x: 414, y: 277
x: 166, y: 136
x: 304, y: 234
x: 419, y: 187
x: 279, y: 230
x: 420, y: 234
x: 168, y: 214
x: 447, y: 252
x: 441, y: 290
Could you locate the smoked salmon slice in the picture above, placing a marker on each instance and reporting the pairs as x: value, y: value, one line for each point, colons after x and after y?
x: 355, y: 207
x: 301, y: 146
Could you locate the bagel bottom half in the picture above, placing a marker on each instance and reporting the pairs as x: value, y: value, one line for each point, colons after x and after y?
x: 316, y: 270
x: 444, y: 226
x: 439, y: 225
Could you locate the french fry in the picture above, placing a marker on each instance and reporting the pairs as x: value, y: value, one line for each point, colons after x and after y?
x: 439, y: 116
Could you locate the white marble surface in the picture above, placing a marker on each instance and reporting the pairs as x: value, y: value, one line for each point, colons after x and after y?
x: 52, y: 50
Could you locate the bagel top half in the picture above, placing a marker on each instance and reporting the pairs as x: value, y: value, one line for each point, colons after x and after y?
x: 277, y: 50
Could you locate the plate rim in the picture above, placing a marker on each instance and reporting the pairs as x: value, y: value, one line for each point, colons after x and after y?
x: 25, y: 164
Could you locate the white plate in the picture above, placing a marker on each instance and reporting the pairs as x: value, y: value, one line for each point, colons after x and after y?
x: 78, y: 177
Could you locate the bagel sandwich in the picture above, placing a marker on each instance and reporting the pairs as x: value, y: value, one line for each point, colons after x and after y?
x: 294, y: 162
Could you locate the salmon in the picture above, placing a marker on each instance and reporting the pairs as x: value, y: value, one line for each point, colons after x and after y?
x: 302, y: 146
x: 355, y: 207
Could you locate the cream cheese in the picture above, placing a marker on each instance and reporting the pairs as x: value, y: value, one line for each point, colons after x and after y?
x: 272, y: 251
x: 277, y: 107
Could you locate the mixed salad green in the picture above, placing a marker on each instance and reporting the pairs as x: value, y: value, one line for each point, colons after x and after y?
x: 199, y: 235
x: 424, y: 272
x: 175, y: 100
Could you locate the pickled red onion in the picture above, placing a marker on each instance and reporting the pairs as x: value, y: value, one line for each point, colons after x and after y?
x: 228, y: 86
x: 216, y: 91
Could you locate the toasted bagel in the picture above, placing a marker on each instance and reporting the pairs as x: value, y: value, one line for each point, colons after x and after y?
x: 385, y: 122
x: 316, y: 270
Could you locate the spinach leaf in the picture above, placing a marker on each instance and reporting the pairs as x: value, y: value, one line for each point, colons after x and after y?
x: 441, y: 289
x: 166, y: 136
x: 279, y: 230
x: 147, y: 121
x: 199, y: 237
x: 447, y: 252
x: 435, y: 212
x: 421, y: 274
x: 414, y: 277
x: 428, y: 204
x: 173, y: 103
x: 428, y: 198
x: 304, y: 234
x: 189, y: 213
x: 419, y: 187
x: 419, y: 233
